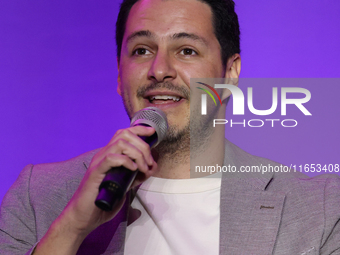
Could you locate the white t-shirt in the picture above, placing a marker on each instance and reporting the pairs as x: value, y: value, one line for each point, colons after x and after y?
x: 177, y: 217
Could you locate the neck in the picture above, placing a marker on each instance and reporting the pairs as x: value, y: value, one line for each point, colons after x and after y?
x: 174, y: 166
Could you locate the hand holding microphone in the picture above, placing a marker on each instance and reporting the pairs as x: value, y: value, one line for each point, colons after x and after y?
x: 127, y: 152
x: 117, y: 163
x: 118, y: 180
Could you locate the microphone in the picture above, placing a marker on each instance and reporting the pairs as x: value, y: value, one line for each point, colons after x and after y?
x: 119, y: 179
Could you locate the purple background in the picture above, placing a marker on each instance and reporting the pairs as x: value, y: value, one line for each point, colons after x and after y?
x: 58, y: 78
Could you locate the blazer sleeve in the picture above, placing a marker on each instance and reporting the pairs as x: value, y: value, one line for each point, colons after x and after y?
x: 17, y: 218
x: 331, y: 236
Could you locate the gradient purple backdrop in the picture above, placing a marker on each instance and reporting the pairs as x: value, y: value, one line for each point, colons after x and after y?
x: 58, y: 78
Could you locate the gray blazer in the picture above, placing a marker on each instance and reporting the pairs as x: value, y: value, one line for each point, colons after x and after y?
x: 269, y: 213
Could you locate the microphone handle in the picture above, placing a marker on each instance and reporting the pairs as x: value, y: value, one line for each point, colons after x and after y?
x: 117, y: 182
x: 114, y: 186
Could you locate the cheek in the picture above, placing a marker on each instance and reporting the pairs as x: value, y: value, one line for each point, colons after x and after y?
x: 188, y: 71
x: 215, y: 68
x: 132, y: 77
x: 209, y: 68
x: 132, y: 68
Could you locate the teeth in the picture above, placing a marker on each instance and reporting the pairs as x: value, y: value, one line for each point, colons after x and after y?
x: 165, y: 97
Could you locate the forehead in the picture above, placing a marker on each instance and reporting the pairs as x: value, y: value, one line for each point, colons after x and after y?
x: 167, y: 17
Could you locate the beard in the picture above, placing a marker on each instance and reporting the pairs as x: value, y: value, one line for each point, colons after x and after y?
x: 175, y: 143
x: 189, y: 141
x: 180, y: 143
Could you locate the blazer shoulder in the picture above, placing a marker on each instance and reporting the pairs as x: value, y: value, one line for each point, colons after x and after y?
x: 67, y: 169
x: 59, y: 179
x: 277, y: 175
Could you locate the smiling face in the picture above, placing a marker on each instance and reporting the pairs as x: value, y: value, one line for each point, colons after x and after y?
x: 164, y: 45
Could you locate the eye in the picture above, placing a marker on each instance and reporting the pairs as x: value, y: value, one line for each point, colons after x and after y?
x: 188, y: 52
x: 141, y: 51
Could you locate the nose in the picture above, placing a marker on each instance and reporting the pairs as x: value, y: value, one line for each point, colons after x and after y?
x: 162, y: 68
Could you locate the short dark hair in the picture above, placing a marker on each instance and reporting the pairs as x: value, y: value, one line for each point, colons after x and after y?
x: 225, y: 23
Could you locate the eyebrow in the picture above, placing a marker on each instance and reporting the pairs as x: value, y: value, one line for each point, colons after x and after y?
x: 141, y: 33
x: 189, y: 36
x: 176, y: 36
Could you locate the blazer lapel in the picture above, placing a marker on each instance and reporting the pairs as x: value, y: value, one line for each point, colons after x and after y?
x: 250, y: 215
x: 249, y: 220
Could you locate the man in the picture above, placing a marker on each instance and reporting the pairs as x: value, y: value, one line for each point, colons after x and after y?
x: 161, y: 45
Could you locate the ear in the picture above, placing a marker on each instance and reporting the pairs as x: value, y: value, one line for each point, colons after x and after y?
x: 233, y: 67
x: 232, y: 72
x: 119, y: 83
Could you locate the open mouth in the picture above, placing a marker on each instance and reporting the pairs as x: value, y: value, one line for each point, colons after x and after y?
x: 163, y: 99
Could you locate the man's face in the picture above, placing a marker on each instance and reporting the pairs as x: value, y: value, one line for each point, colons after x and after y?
x: 165, y: 44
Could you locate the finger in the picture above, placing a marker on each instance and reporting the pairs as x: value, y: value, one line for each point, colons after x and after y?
x: 121, y: 146
x: 140, y: 130
x: 110, y: 161
x: 136, y: 130
x: 132, y: 135
x: 141, y: 176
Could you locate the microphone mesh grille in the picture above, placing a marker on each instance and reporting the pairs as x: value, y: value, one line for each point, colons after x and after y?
x: 153, y: 117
